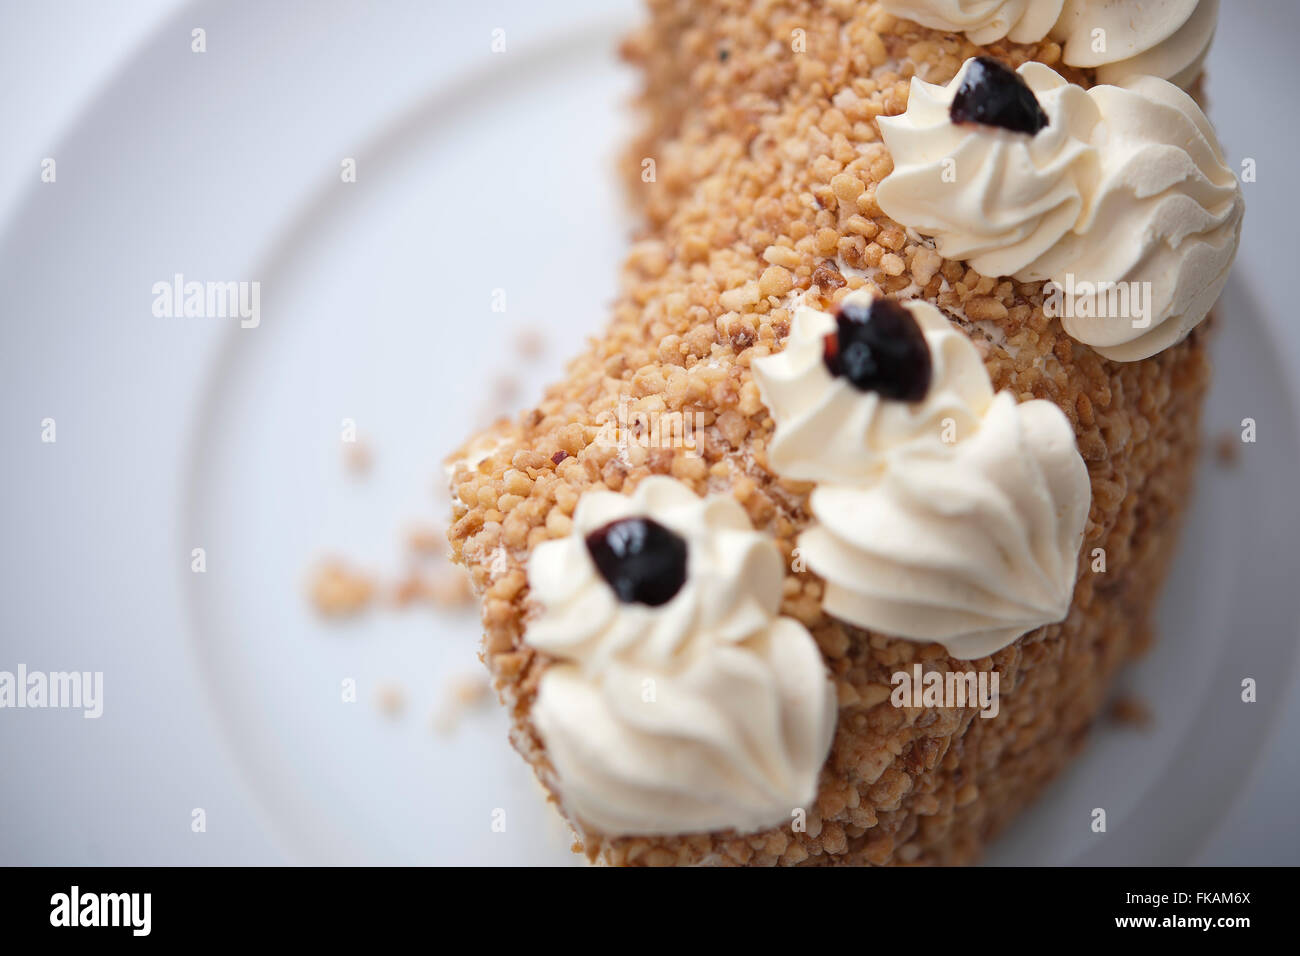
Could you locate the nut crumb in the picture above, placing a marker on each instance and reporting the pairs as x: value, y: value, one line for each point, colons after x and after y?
x: 1131, y: 712
x: 451, y: 589
x: 357, y: 458
x: 463, y: 695
x: 410, y: 588
x: 390, y: 698
x: 427, y: 541
x: 530, y: 343
x: 827, y: 277
x: 1227, y: 449
x: 339, y: 591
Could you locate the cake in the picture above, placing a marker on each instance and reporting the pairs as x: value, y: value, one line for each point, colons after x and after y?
x: 870, y: 404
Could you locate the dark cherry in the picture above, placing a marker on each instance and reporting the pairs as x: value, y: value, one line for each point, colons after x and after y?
x: 642, y: 561
x: 994, y: 95
x: 879, y: 348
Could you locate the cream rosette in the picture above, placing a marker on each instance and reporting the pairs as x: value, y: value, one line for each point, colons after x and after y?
x: 957, y: 518
x: 1121, y: 39
x: 706, y: 712
x: 1123, y: 200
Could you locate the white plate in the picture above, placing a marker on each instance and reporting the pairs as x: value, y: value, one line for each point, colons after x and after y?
x: 476, y: 172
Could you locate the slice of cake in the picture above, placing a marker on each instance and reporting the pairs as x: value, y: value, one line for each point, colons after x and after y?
x: 827, y: 551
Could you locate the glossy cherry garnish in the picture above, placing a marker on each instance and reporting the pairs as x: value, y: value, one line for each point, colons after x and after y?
x: 879, y: 348
x: 994, y: 95
x: 641, y: 560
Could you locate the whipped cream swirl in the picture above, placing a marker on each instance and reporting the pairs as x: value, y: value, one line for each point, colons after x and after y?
x: 1119, y: 38
x: 969, y: 546
x: 829, y: 431
x: 1169, y: 39
x: 983, y: 21
x: 959, y: 523
x: 1001, y: 200
x: 1125, y: 186
x: 705, y: 713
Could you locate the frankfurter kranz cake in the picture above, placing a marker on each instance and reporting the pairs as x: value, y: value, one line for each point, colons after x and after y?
x: 881, y: 274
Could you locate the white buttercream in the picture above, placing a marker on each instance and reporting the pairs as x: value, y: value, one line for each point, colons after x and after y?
x: 970, y: 545
x: 955, y: 519
x: 983, y: 21
x: 1124, y: 185
x: 1166, y: 211
x: 829, y: 431
x: 1168, y: 39
x: 708, y: 712
x: 1119, y: 38
x: 997, y: 198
